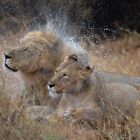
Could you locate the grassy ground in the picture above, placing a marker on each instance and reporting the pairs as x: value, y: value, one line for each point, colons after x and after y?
x: 117, y: 56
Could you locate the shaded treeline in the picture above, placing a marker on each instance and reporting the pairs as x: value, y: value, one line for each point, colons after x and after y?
x: 98, y: 16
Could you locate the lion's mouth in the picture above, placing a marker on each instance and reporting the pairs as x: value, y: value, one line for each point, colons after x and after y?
x: 7, y: 57
x: 54, y: 93
x: 8, y: 67
x: 12, y: 69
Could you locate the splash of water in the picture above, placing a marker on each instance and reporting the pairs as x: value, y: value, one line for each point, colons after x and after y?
x: 68, y: 33
x: 64, y: 30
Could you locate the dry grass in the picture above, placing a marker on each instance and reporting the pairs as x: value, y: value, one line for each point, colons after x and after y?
x: 120, y: 56
x: 117, y: 56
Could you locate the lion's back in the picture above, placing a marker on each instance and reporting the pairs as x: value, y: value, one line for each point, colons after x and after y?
x: 121, y: 95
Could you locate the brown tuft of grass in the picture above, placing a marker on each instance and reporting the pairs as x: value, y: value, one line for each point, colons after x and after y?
x: 15, y: 126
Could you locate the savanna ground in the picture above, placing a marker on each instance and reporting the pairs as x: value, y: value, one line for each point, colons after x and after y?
x: 120, y: 56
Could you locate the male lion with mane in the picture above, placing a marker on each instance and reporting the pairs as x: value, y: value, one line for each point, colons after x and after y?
x: 85, y: 98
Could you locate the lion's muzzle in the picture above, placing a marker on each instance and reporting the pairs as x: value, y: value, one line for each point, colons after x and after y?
x: 7, y: 57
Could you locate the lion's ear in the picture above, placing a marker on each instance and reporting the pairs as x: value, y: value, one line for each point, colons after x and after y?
x: 73, y: 57
x: 86, y: 71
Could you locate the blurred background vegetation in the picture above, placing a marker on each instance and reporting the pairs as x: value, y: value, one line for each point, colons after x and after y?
x: 103, y: 17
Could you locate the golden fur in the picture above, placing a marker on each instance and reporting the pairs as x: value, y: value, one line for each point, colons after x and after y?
x: 36, y: 57
x: 89, y: 100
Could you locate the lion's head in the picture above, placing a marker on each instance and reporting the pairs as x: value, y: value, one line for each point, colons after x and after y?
x: 32, y: 52
x: 69, y: 76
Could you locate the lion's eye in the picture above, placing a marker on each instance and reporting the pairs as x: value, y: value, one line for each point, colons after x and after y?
x: 25, y: 49
x: 55, y: 71
x: 65, y: 77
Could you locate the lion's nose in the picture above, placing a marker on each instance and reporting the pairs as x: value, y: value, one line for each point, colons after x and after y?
x: 50, y: 84
x: 7, y: 56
